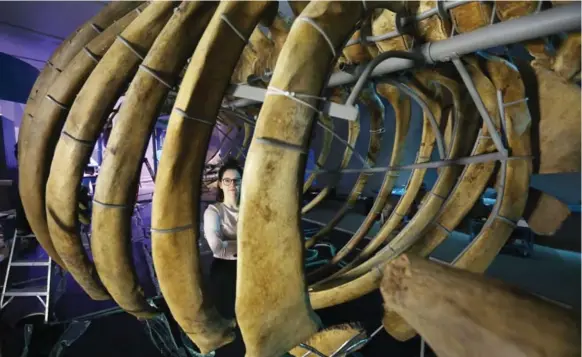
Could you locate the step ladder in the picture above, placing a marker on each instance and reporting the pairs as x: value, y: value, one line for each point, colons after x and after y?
x: 42, y: 293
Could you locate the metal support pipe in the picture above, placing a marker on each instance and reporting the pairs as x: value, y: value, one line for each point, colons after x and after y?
x: 560, y: 19
x: 435, y: 126
x: 373, y: 64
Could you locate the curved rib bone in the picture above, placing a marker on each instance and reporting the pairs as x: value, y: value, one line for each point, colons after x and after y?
x: 280, y: 317
x: 111, y: 239
x: 175, y: 212
x: 82, y: 127
x: 36, y: 136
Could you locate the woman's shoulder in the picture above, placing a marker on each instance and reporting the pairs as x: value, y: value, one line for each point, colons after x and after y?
x: 214, y: 208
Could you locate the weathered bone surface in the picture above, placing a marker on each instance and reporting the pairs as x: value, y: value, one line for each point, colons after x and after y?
x: 330, y: 340
x: 175, y: 213
x: 280, y: 316
x: 82, y: 127
x: 462, y: 314
x: 36, y: 136
x: 559, y: 125
x: 110, y: 242
x: 544, y: 213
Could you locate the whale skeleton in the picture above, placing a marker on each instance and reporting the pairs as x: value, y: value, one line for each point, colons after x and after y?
x: 384, y: 56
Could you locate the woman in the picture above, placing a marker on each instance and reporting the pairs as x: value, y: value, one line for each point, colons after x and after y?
x: 220, y: 221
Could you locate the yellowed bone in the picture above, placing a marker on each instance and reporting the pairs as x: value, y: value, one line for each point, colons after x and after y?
x: 463, y: 314
x: 330, y: 340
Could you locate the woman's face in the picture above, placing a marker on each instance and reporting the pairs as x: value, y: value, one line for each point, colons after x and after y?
x: 230, y: 184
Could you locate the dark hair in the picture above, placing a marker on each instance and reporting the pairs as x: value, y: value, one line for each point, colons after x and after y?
x: 229, y: 164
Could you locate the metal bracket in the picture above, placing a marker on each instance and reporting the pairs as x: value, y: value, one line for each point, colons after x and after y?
x: 257, y: 95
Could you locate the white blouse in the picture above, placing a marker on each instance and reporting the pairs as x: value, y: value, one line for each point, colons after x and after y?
x: 220, y: 230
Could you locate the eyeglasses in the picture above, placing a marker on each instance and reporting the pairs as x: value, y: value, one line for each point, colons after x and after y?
x: 229, y: 181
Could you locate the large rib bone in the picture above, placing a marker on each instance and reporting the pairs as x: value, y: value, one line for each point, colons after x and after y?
x: 473, y: 179
x: 111, y: 239
x: 36, y: 136
x: 460, y: 314
x: 432, y: 202
x: 513, y: 186
x: 403, y: 205
x: 176, y: 202
x: 515, y: 174
x: 279, y: 317
x: 82, y: 127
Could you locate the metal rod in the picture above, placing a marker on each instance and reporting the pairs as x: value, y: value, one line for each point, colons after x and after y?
x: 560, y: 19
x: 435, y: 126
x: 480, y: 106
x: 373, y: 64
x: 155, y: 150
x: 427, y: 165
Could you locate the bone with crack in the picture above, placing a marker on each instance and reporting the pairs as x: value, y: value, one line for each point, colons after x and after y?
x: 36, y: 138
x: 110, y: 241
